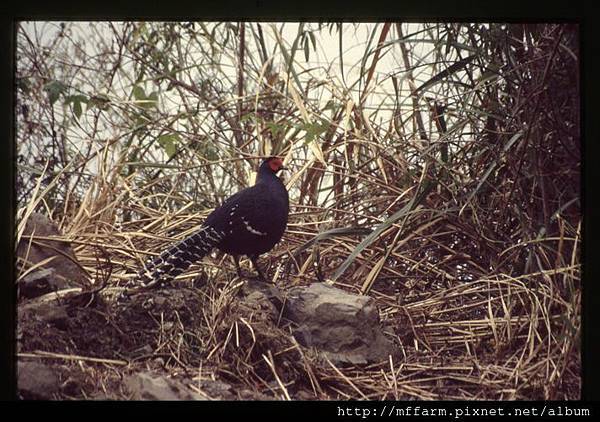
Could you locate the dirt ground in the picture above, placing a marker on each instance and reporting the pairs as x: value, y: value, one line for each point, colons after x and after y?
x: 154, y: 332
x: 219, y: 337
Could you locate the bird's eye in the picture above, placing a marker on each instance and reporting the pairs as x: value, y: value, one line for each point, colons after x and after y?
x: 276, y: 164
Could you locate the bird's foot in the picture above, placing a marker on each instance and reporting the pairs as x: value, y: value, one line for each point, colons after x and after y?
x: 150, y: 284
x: 160, y: 284
x: 248, y: 276
x: 260, y: 276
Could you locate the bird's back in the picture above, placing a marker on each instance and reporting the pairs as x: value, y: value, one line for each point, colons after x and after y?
x: 253, y: 220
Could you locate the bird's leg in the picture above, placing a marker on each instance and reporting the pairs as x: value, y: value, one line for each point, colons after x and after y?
x: 253, y: 259
x: 236, y: 259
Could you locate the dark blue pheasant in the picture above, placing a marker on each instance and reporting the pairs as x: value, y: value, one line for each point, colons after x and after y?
x: 248, y: 223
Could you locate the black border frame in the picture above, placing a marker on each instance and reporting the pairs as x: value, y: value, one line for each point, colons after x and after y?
x: 263, y: 10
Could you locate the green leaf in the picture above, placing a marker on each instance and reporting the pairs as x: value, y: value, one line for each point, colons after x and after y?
x: 332, y: 105
x: 77, y: 109
x: 250, y: 116
x: 138, y: 93
x: 152, y: 100
x: 101, y: 101
x: 168, y: 143
x: 144, y: 101
x: 313, y: 40
x: 76, y: 100
x: 314, y: 130
x: 306, y: 50
x: 54, y: 89
x: 455, y: 67
x: 274, y: 128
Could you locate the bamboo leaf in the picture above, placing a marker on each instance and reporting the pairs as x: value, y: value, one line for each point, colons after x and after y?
x: 306, y: 49
x: 490, y: 170
x: 77, y: 109
x: 367, y: 241
x: 289, y: 58
x: 138, y: 93
x: 447, y: 72
x: 336, y: 232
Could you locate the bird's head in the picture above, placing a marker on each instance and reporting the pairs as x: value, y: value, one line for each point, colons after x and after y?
x: 274, y: 164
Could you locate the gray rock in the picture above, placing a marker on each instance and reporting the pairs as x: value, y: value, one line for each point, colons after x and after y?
x: 38, y: 282
x: 59, y: 273
x: 36, y: 381
x: 217, y: 390
x: 342, y: 326
x: 147, y: 386
x: 54, y: 314
x: 51, y: 313
x: 262, y: 297
x: 253, y: 395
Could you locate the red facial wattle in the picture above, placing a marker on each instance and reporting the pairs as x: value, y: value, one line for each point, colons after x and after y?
x: 276, y: 164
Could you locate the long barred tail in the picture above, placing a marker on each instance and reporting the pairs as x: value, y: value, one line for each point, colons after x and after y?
x: 175, y: 260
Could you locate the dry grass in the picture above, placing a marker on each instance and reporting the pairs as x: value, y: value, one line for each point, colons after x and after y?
x: 495, y: 337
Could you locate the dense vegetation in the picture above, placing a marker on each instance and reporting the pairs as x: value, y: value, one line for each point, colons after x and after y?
x: 435, y: 167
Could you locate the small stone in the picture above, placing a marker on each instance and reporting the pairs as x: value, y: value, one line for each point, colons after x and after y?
x: 159, y: 301
x: 53, y: 314
x: 216, y: 390
x: 147, y: 386
x: 36, y: 381
x: 38, y: 283
x: 50, y: 312
x: 254, y: 395
x: 147, y: 349
x: 304, y: 395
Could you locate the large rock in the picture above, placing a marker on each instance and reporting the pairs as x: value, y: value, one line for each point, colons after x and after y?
x: 60, y: 272
x: 40, y: 282
x: 342, y: 326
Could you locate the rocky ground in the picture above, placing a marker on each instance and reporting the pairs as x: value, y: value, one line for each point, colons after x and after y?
x: 128, y: 339
x: 220, y: 337
x: 112, y: 343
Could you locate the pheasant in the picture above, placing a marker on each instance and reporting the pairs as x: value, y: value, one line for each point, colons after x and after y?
x: 248, y: 223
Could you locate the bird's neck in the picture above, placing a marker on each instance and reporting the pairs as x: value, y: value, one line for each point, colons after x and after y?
x: 265, y: 175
